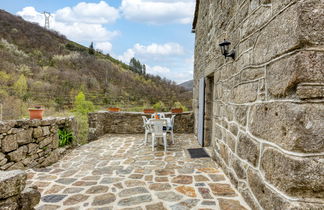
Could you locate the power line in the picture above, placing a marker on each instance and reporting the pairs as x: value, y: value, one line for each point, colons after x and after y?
x: 47, y: 16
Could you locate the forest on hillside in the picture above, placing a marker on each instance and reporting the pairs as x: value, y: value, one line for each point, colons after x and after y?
x: 42, y: 67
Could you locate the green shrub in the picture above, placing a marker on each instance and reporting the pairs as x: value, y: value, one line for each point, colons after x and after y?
x: 159, y: 106
x: 81, y: 109
x: 65, y: 137
x: 177, y: 104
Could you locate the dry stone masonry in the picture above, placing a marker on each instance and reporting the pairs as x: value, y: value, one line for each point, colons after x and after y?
x: 266, y: 107
x: 104, y: 122
x: 13, y: 191
x: 31, y: 143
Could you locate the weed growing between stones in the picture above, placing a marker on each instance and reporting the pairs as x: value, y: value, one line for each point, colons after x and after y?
x: 65, y: 137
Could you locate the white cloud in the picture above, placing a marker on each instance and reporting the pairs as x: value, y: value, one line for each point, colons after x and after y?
x: 158, y: 11
x: 157, y: 49
x: 106, y: 47
x: 98, y: 13
x: 30, y: 14
x: 157, y: 70
x: 81, y: 23
x: 153, y: 51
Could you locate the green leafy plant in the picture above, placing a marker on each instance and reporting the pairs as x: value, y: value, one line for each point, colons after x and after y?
x: 65, y: 137
x: 177, y: 104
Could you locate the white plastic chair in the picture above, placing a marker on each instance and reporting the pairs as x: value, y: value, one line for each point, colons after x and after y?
x: 158, y: 131
x: 162, y: 115
x: 147, y: 128
x: 170, y: 129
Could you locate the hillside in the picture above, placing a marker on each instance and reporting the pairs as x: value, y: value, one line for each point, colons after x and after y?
x: 188, y: 85
x: 39, y: 66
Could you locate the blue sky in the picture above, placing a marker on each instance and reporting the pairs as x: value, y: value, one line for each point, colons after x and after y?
x: 157, y: 32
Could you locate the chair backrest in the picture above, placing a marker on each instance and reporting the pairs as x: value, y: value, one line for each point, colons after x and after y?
x: 162, y: 115
x: 145, y: 124
x: 172, y: 120
x: 157, y: 126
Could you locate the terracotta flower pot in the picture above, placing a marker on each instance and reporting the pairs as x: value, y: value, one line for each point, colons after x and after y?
x: 149, y: 111
x: 177, y: 110
x: 35, y: 113
x: 113, y: 109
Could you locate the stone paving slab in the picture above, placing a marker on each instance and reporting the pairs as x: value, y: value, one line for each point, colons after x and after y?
x: 120, y: 172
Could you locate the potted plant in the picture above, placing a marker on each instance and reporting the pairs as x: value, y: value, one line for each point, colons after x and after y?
x: 113, y: 109
x: 36, y: 112
x: 149, y: 111
x: 176, y: 110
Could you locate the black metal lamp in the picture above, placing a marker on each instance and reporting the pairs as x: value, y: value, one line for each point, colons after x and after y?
x: 225, y: 49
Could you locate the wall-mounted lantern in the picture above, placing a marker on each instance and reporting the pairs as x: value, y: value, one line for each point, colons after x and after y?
x: 225, y: 49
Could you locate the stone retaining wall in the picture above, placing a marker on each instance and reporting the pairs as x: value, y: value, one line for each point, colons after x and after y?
x: 104, y: 122
x: 31, y: 143
x: 14, y: 194
x: 267, y: 105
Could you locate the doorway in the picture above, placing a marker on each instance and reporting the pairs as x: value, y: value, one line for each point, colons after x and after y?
x: 205, y: 110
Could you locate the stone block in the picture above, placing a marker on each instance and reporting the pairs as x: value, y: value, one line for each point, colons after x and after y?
x: 311, y: 21
x: 238, y: 166
x: 302, y: 67
x: 29, y: 198
x: 233, y: 128
x: 18, y: 154
x: 245, y: 93
x: 9, y: 143
x: 248, y: 149
x: 46, y: 141
x: 241, y: 114
x: 252, y: 74
x: 6, y: 166
x: 224, y: 153
x: 294, y: 127
x: 10, y: 203
x: 231, y: 141
x: 310, y: 91
x: 11, y: 183
x: 51, y: 158
x: 256, y: 20
x: 46, y: 130
x: 24, y: 136
x: 278, y: 37
x: 32, y: 148
x: 278, y: 5
x: 6, y: 126
x: 16, y: 166
x: 37, y: 132
x: 296, y: 176
x: 267, y: 198
x: 248, y: 196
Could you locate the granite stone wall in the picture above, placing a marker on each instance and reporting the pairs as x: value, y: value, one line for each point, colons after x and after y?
x: 31, y: 143
x: 267, y: 129
x: 101, y: 123
x: 14, y: 194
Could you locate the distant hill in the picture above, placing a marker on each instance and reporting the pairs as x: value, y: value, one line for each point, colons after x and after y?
x: 187, y: 85
x: 40, y: 66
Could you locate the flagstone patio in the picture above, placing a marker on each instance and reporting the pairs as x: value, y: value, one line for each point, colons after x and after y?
x: 119, y: 172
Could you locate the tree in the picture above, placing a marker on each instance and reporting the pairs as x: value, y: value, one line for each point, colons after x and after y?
x: 91, y: 49
x: 81, y: 105
x: 144, y: 69
x: 136, y: 66
x: 20, y: 86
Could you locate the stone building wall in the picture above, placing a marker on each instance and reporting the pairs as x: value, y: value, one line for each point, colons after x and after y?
x: 101, y: 123
x: 31, y: 143
x: 13, y: 191
x: 267, y: 129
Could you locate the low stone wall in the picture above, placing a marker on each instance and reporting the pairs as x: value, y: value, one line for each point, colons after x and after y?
x: 104, y: 122
x: 31, y: 143
x: 13, y: 191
